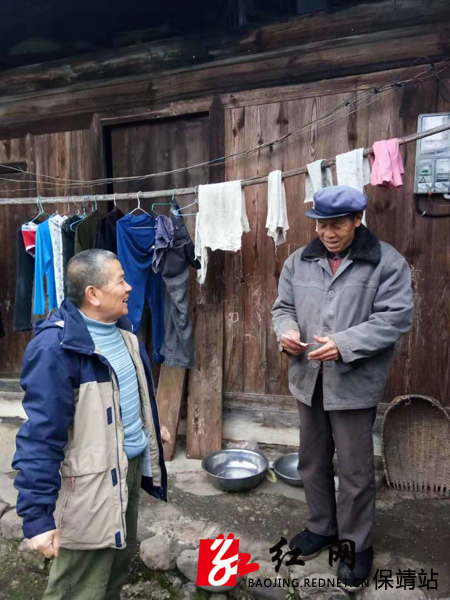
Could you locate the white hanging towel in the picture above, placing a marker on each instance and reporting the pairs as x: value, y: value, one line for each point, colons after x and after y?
x: 353, y: 169
x: 221, y: 220
x: 277, y: 220
x: 316, y: 179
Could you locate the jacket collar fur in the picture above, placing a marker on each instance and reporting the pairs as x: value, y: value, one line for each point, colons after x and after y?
x: 365, y: 247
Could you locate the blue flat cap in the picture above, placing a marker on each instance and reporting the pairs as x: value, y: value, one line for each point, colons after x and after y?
x: 337, y: 201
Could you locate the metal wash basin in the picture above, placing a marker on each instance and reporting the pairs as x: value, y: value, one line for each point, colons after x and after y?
x: 235, y: 470
x: 286, y: 469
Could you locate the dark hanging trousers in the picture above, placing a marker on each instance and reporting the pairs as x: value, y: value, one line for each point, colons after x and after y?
x: 24, y: 286
x: 350, y: 432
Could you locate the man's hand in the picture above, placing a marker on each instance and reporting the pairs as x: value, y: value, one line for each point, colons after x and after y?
x: 165, y: 435
x: 329, y: 350
x: 291, y: 342
x: 47, y: 543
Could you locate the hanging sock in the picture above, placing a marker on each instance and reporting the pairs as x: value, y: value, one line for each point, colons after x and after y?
x: 316, y: 179
x: 387, y: 164
x: 277, y: 221
x: 221, y: 220
x: 353, y: 170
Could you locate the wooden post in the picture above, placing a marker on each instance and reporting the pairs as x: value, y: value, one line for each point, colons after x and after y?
x: 171, y: 390
x: 204, y: 418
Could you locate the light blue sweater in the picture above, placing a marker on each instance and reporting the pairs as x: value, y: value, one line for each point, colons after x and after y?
x: 109, y: 341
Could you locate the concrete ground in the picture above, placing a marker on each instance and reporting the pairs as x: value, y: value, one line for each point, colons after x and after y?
x: 412, y: 530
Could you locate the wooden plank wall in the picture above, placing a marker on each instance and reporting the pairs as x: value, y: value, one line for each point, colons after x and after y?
x: 360, y: 38
x: 255, y: 372
x: 75, y: 154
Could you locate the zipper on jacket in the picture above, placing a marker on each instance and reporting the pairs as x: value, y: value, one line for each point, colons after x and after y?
x: 117, y: 450
x: 66, y: 501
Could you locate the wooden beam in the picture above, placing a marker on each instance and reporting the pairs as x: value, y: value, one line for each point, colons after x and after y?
x: 129, y: 88
x: 162, y: 111
x: 325, y: 87
x: 172, y: 53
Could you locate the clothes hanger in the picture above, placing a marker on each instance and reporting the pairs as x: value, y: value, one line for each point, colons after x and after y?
x: 82, y: 217
x: 138, y: 207
x: 178, y: 212
x: 40, y: 213
x: 55, y: 213
x: 163, y: 203
x: 68, y: 208
x: 93, y: 204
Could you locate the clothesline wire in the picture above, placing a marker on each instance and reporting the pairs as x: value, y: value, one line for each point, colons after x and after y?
x: 216, y: 161
x: 305, y: 129
x: 375, y: 92
x: 221, y: 160
x: 342, y: 106
x: 184, y: 191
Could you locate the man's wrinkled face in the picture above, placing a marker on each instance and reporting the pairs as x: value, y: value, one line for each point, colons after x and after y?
x: 337, y: 234
x: 113, y: 296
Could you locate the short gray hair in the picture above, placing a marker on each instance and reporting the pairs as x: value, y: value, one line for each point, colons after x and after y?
x: 84, y: 269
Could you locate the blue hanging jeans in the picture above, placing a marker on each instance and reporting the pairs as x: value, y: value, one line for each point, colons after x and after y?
x: 135, y: 244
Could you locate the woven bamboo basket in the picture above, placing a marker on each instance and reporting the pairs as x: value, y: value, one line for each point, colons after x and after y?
x: 415, y: 445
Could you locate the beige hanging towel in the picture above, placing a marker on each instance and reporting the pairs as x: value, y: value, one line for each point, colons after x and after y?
x: 221, y: 221
x: 316, y: 179
x: 353, y: 169
x: 277, y: 223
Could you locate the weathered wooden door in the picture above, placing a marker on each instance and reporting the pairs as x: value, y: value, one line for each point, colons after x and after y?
x: 166, y: 145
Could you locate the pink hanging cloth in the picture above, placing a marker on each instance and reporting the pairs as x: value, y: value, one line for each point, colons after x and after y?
x: 387, y: 164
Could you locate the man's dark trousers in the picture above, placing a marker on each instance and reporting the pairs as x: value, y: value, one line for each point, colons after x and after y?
x: 350, y: 432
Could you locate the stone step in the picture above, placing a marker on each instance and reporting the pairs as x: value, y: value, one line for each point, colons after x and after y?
x: 238, y: 425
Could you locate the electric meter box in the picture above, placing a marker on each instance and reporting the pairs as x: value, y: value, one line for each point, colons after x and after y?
x: 433, y: 157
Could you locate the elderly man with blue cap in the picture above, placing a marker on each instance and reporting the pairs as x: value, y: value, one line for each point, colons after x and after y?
x: 344, y: 300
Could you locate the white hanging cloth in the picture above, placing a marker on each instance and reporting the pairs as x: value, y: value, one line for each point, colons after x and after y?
x: 353, y: 169
x: 277, y: 223
x: 316, y: 179
x: 55, y: 224
x: 221, y: 220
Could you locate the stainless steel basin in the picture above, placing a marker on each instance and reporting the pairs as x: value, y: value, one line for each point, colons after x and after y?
x: 235, y: 470
x: 286, y: 469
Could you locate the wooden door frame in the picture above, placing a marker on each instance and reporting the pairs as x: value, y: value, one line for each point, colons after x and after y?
x: 205, y: 387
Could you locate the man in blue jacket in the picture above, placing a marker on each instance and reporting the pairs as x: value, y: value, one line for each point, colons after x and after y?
x: 92, y: 438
